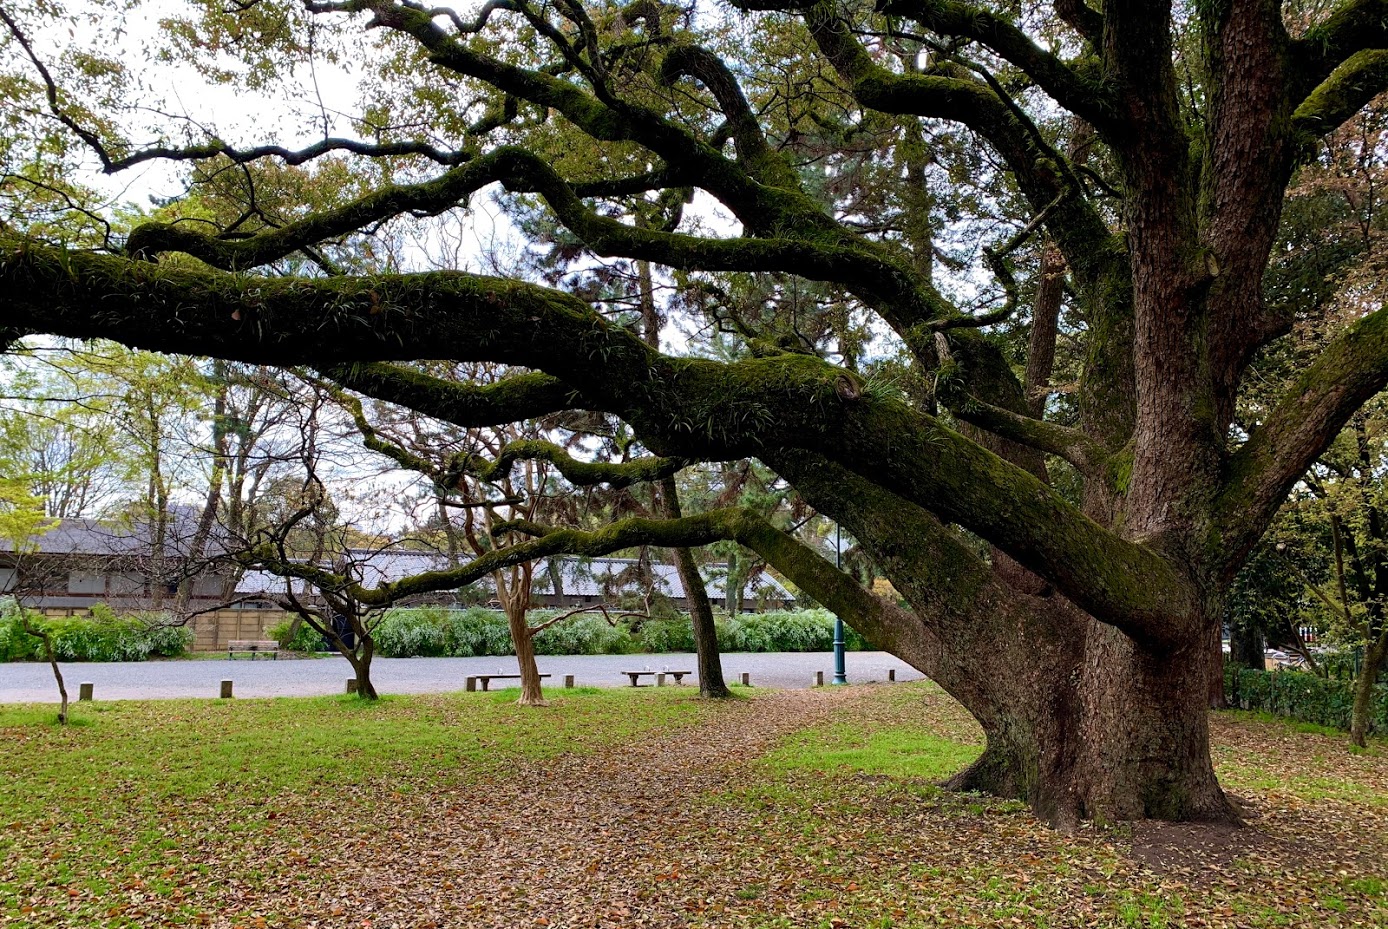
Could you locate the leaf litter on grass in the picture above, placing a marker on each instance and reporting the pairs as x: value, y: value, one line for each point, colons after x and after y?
x: 792, y: 809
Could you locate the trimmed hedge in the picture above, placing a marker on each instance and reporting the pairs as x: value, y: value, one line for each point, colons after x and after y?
x: 477, y: 632
x: 102, y: 636
x: 1301, y: 696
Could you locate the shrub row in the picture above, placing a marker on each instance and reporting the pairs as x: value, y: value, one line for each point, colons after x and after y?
x: 101, y: 636
x: 439, y: 632
x: 1302, y: 696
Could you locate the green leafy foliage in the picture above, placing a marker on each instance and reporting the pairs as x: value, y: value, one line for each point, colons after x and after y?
x: 435, y: 632
x: 589, y: 634
x: 785, y: 631
x: 1300, y: 696
x: 101, y: 636
x: 303, y: 639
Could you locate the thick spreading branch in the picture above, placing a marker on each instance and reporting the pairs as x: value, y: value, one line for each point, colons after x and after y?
x: 855, y: 265
x: 879, y: 620
x: 1349, y: 371
x: 951, y: 93
x: 1356, y: 26
x: 703, y: 529
x: 1088, y: 456
x: 1081, y: 96
x: 510, y: 400
x: 1363, y: 76
x: 681, y: 407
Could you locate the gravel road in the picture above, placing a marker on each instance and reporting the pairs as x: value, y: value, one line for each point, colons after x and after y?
x: 144, y: 680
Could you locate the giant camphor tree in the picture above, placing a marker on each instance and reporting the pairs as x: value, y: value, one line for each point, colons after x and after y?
x: 1083, y: 635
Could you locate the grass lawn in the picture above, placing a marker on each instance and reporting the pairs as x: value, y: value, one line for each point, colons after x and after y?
x: 640, y: 808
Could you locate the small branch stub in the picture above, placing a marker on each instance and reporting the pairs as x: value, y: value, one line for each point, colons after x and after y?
x: 847, y: 388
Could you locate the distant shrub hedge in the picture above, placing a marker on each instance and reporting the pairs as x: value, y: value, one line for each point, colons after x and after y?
x: 477, y: 632
x: 304, y: 639
x: 101, y: 636
x: 1301, y: 696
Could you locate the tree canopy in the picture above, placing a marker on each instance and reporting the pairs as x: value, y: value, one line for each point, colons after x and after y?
x: 983, y: 282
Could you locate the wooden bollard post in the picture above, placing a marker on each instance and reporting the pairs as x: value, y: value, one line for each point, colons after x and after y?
x: 891, y: 674
x: 471, y: 684
x: 84, y: 690
x: 819, y: 678
x: 351, y: 685
x: 226, y: 690
x: 659, y: 679
x: 746, y: 679
x: 568, y: 681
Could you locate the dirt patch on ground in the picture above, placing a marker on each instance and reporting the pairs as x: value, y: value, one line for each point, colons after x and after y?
x: 1193, y: 850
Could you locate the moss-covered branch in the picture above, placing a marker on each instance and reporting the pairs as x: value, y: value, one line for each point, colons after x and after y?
x: 883, y: 623
x: 1355, y: 26
x: 1363, y: 76
x: 691, y: 408
x: 951, y: 93
x: 841, y: 259
x: 688, y: 531
x: 1079, y: 95
x: 1349, y: 371
x: 510, y: 400
x: 760, y: 160
x: 1070, y: 444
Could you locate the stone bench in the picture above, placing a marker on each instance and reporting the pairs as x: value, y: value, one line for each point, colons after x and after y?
x: 254, y: 647
x: 659, y: 676
x: 486, y: 679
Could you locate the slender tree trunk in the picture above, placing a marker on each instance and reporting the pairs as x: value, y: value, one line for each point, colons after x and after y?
x: 47, y: 639
x: 710, y: 665
x: 1247, y: 647
x: 524, y: 640
x: 361, y: 667
x: 57, y: 676
x: 207, y: 519
x: 359, y: 654
x: 1375, y: 657
x: 708, y: 659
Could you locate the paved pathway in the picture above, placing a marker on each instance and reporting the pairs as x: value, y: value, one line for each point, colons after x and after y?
x: 33, y: 682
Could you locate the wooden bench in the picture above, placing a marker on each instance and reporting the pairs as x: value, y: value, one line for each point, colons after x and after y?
x: 254, y: 646
x: 488, y: 678
x: 659, y: 676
